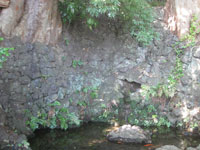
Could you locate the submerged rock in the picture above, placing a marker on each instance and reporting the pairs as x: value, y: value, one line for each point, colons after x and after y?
x: 168, y: 147
x: 129, y: 134
x: 191, y: 148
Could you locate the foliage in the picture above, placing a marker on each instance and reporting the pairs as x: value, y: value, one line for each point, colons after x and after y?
x: 19, y: 146
x: 94, y: 94
x: 136, y: 15
x: 66, y: 41
x: 194, y: 30
x: 24, y: 144
x: 188, y: 123
x: 146, y: 117
x: 169, y: 89
x: 59, y: 116
x: 70, y: 10
x: 4, y: 53
x: 108, y: 114
x: 76, y: 63
x: 82, y: 103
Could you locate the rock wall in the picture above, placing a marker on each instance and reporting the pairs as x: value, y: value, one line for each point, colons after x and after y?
x: 113, y: 66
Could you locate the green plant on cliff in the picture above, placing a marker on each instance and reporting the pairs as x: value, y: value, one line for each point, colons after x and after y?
x: 4, y: 53
x: 194, y: 30
x: 135, y: 15
x: 23, y: 144
x: 76, y: 63
x: 168, y: 89
x: 146, y: 117
x: 56, y: 117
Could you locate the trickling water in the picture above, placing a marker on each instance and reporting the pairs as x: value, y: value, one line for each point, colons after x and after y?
x: 93, y: 137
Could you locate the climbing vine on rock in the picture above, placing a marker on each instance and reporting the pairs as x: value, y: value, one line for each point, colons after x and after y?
x: 168, y: 89
x: 4, y: 53
x: 194, y: 30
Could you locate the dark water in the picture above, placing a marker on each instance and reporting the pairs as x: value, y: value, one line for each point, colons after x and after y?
x: 92, y: 137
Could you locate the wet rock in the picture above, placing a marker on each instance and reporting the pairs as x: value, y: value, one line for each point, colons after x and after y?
x: 198, y: 147
x: 168, y: 147
x: 61, y: 93
x: 129, y: 134
x: 191, y: 148
x: 197, y: 53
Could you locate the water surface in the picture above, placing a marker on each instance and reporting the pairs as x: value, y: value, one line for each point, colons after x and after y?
x: 92, y: 136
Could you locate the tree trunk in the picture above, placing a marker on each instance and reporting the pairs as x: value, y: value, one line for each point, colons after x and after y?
x: 32, y: 20
x: 4, y: 3
x: 178, y: 15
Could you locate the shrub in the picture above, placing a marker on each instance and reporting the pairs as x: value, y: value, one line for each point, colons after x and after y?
x: 137, y: 15
x: 61, y: 117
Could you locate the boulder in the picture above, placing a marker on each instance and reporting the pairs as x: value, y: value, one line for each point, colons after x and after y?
x: 198, y: 147
x: 168, y: 147
x: 129, y: 134
x: 191, y: 148
x: 4, y: 3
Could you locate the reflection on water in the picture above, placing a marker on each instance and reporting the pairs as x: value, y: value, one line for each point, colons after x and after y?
x: 92, y: 137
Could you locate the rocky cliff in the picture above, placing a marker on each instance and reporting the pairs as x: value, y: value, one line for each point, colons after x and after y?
x: 98, y: 68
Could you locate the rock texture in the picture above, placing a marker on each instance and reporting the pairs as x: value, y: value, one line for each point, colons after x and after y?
x: 10, y: 137
x: 178, y: 14
x: 168, y: 147
x: 38, y: 20
x: 191, y: 148
x: 129, y: 134
x: 97, y: 67
x: 4, y: 3
x: 112, y: 67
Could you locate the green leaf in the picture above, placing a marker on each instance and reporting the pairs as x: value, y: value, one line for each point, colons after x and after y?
x: 55, y: 103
